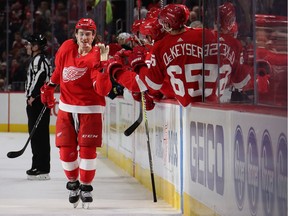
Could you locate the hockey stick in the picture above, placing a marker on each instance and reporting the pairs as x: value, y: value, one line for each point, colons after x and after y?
x: 148, y: 147
x: 134, y: 126
x: 14, y: 154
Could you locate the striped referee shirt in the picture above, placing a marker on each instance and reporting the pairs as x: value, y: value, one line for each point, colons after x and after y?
x: 39, y: 72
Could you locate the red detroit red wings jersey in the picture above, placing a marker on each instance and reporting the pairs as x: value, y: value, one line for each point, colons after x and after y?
x: 231, y: 51
x: 166, y: 88
x: 73, y: 73
x: 178, y: 59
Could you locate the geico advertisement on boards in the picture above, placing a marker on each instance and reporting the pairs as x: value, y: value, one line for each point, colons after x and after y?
x: 236, y: 163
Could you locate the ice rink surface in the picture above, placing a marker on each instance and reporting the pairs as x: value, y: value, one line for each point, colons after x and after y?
x: 115, y: 192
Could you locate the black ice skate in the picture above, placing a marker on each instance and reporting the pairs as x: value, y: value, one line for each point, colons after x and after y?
x: 86, y: 195
x: 74, y: 192
x: 35, y: 174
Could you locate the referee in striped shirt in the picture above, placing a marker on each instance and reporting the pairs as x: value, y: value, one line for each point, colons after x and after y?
x: 39, y: 72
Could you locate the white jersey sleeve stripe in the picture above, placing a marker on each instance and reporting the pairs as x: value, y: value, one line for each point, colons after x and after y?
x: 140, y: 83
x: 153, y: 85
x: 241, y: 84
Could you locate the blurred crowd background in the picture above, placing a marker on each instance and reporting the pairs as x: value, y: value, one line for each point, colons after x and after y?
x: 261, y: 23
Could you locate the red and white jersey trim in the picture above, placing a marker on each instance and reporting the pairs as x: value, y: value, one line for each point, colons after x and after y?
x: 243, y: 83
x: 141, y: 85
x: 152, y: 84
x: 81, y: 109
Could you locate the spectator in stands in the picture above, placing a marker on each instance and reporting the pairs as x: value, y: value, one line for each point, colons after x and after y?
x: 17, y: 75
x: 3, y: 56
x: 61, y: 23
x: 3, y: 66
x: 17, y: 45
x: 193, y: 16
x: 143, y: 11
x: 40, y: 24
x: 154, y: 4
x: 15, y: 17
x: 2, y: 84
x: 73, y: 10
x: 26, y: 28
x: 45, y: 10
x: 194, y: 20
x: 2, y: 30
x: 52, y: 44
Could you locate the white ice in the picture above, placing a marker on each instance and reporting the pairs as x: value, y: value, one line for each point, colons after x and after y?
x: 115, y: 192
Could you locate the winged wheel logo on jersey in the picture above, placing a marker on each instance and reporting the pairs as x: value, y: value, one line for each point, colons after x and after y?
x: 72, y: 73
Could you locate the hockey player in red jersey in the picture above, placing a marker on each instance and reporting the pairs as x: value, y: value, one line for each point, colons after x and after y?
x: 137, y: 43
x: 154, y: 32
x: 178, y: 58
x: 183, y: 57
x: 150, y: 31
x: 231, y: 50
x: 82, y: 102
x: 271, y: 59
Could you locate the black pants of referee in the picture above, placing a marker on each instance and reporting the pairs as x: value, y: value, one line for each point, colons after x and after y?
x: 40, y: 141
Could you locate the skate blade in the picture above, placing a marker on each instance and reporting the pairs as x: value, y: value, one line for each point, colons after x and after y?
x: 85, y: 205
x: 38, y: 177
x: 75, y: 204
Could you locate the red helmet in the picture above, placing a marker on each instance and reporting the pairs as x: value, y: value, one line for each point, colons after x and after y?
x: 86, y: 24
x: 152, y: 28
x: 173, y: 16
x: 227, y: 16
x: 153, y: 12
x: 186, y: 10
x: 136, y: 26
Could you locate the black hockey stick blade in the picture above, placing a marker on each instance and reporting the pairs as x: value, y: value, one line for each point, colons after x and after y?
x: 14, y: 154
x: 135, y: 125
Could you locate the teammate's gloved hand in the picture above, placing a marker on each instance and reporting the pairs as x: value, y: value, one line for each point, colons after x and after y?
x: 104, y: 51
x: 136, y: 96
x: 149, y: 102
x: 117, y: 90
x: 156, y: 95
x: 47, y: 95
x: 122, y: 56
x: 113, y: 67
x: 137, y: 59
x: 123, y: 53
